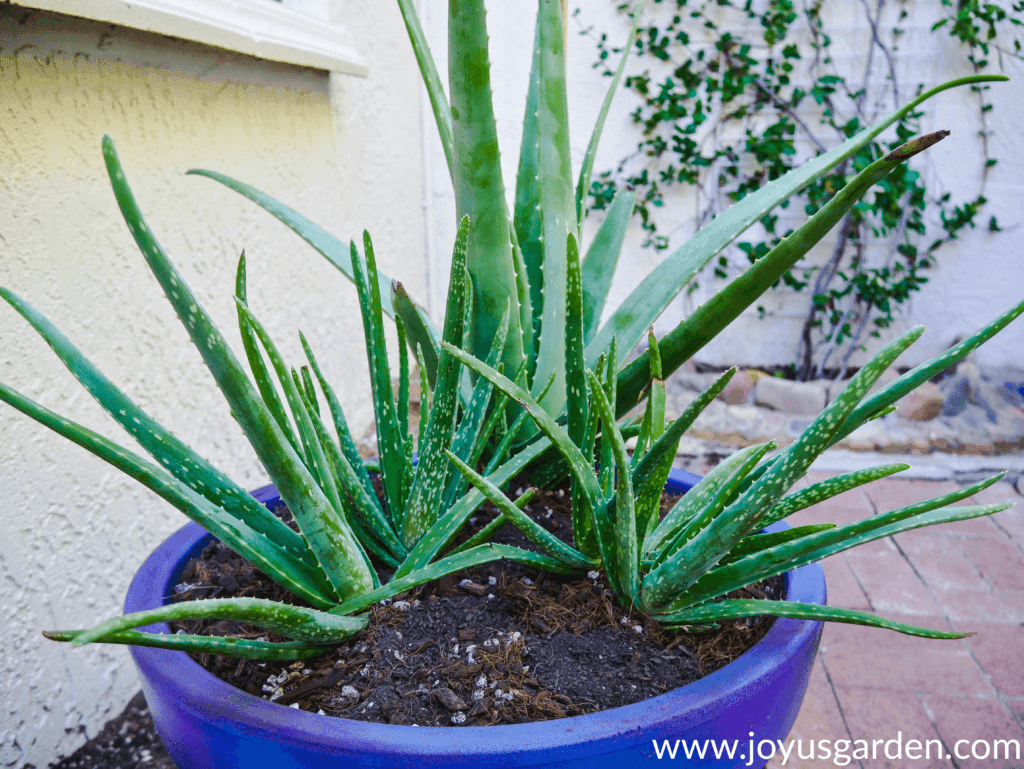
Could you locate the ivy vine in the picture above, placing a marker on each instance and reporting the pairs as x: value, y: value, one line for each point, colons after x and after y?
x: 738, y: 92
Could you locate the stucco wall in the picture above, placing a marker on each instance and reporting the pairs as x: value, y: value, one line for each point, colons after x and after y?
x: 978, y: 277
x: 345, y: 152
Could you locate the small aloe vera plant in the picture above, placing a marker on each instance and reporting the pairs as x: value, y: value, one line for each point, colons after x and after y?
x: 714, y: 541
x: 343, y: 526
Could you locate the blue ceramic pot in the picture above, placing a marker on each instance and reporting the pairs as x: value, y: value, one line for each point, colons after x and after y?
x: 205, y: 722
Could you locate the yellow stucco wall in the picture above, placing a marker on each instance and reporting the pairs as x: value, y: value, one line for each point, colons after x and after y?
x: 343, y: 151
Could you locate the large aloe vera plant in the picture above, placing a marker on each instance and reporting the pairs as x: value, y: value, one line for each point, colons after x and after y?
x: 518, y: 257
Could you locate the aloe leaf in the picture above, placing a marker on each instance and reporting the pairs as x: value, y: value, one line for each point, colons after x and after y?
x: 495, y: 417
x: 548, y: 425
x: 403, y: 377
x: 739, y: 608
x: 279, y: 564
x: 466, y: 437
x: 799, y: 455
x: 505, y: 444
x: 575, y: 370
x: 611, y: 390
x: 714, y: 507
x: 316, y: 441
x: 536, y: 533
x: 602, y: 258
x: 708, y: 320
x: 390, y: 439
x: 827, y: 489
x: 334, y: 250
x: 696, y: 524
x: 788, y: 556
x: 696, y: 499
x: 418, y: 329
x: 655, y: 412
x: 577, y: 418
x: 653, y: 419
x: 664, y: 449
x: 556, y: 199
x: 485, y: 534
x: 767, y: 563
x: 448, y: 525
x: 757, y: 542
x: 425, y: 396
x: 175, y: 456
x: 264, y: 382
x: 434, y: 571
x: 702, y: 552
x: 467, y: 434
x: 333, y: 545
x: 309, y: 389
x: 300, y: 386
x: 204, y: 644
x: 534, y: 560
x: 428, y: 70
x: 649, y: 497
x: 527, y: 222
x: 282, y: 565
x: 292, y: 386
x: 479, y: 188
x: 587, y: 170
x: 374, y: 529
x: 920, y: 374
x: 296, y: 622
x: 582, y: 526
x: 432, y: 466
x: 625, y: 550
x: 345, y: 441
x: 655, y: 292
x: 526, y: 314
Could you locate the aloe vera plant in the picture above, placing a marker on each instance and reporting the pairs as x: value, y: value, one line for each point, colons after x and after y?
x: 518, y: 256
x: 344, y: 528
x: 677, y: 568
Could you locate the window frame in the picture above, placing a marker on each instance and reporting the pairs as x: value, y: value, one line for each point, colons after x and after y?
x: 261, y: 28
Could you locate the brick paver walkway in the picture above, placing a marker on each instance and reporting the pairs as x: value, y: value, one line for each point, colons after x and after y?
x: 870, y: 683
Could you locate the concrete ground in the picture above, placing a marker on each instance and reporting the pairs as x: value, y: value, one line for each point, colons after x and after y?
x: 872, y: 684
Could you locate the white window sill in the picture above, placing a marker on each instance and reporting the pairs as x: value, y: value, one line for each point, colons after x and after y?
x: 259, y: 28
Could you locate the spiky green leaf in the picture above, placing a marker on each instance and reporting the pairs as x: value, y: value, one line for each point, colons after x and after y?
x: 333, y: 544
x: 739, y: 608
x: 788, y: 556
x: 827, y: 489
x: 175, y: 456
x: 431, y: 79
x: 432, y: 466
x: 602, y: 258
x: 296, y: 622
x: 204, y: 644
x: 479, y: 187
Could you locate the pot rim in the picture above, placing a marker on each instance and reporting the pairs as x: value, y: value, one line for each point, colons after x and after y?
x: 218, y: 701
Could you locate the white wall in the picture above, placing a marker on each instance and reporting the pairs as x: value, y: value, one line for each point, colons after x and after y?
x: 978, y: 277
x: 343, y: 151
